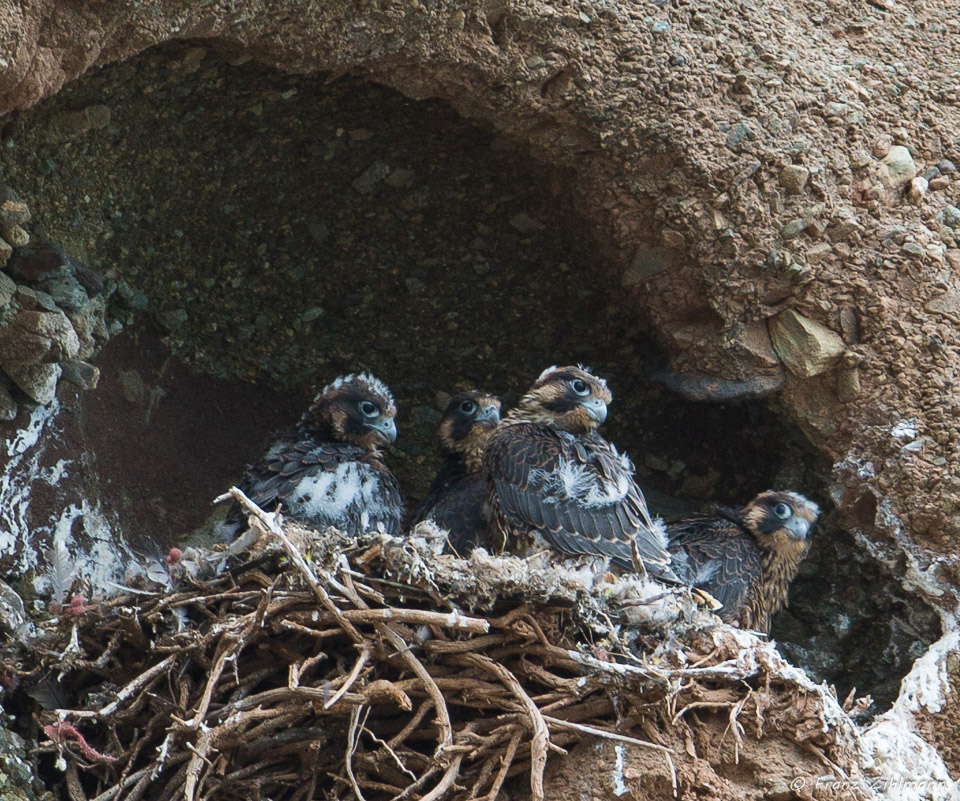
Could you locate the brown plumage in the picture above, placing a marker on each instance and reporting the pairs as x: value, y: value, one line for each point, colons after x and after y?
x: 553, y: 480
x: 328, y: 470
x: 456, y: 497
x: 746, y: 558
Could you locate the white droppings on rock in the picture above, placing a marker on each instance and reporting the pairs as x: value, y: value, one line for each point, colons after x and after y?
x: 619, y: 785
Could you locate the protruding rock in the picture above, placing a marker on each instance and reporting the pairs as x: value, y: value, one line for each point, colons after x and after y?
x: 918, y: 188
x: 16, y: 235
x: 793, y: 178
x: 848, y: 385
x: 38, y: 263
x: 84, y: 375
x: 38, y: 381
x: 806, y: 347
x: 13, y: 211
x: 897, y: 168
x: 34, y: 337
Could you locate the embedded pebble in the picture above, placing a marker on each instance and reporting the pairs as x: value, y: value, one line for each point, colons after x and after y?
x: 793, y: 228
x: 805, y: 346
x: 946, y: 166
x: 918, y: 188
x: 793, y: 178
x: 897, y: 168
x: 15, y: 235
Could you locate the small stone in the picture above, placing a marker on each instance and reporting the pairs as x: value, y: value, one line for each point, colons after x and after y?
x: 656, y: 463
x: 912, y: 249
x: 805, y: 346
x: 414, y: 286
x: 8, y: 289
x: 84, y: 375
x: 897, y: 168
x: 939, y: 183
x: 8, y: 406
x: 673, y: 239
x: 848, y: 385
x: 525, y: 223
x: 950, y: 216
x: 933, y: 172
x: 918, y: 188
x: 647, y: 263
x: 5, y: 252
x: 400, y: 178
x: 946, y: 166
x: 843, y: 229
x: 66, y: 291
x: 819, y: 252
x: 793, y: 178
x: 15, y: 235
x: 370, y: 177
x: 38, y: 381
x: 13, y: 210
x: 739, y: 132
x: 661, y: 26
x: 849, y: 326
x: 793, y: 228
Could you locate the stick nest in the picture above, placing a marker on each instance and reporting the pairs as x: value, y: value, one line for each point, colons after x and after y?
x: 299, y: 665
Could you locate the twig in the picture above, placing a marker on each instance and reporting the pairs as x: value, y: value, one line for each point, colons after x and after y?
x: 296, y: 557
x: 351, y: 678
x: 541, y: 734
x: 352, y: 738
x: 607, y: 735
x: 124, y: 694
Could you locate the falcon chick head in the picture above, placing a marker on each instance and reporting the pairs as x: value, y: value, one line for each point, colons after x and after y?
x: 781, y: 520
x: 466, y: 424
x: 566, y: 398
x: 358, y: 409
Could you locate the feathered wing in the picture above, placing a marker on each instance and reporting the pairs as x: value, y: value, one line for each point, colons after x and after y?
x: 577, y: 492
x: 371, y: 494
x: 455, y: 502
x: 718, y: 556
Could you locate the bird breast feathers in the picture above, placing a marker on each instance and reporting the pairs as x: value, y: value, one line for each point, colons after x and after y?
x: 331, y: 493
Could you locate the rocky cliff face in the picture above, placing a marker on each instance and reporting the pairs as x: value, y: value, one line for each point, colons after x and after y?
x: 749, y: 202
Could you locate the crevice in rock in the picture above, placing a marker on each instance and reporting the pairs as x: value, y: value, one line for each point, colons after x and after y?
x: 282, y: 229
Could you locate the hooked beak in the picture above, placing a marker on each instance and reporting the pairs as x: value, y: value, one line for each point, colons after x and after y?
x: 596, y: 408
x: 798, y: 527
x: 488, y: 414
x: 385, y: 429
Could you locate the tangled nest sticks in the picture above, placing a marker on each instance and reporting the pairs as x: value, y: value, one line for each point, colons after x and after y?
x: 343, y: 680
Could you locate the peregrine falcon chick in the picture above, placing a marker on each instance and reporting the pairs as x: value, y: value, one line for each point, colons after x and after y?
x: 328, y: 470
x: 746, y: 558
x: 456, y: 497
x: 552, y: 479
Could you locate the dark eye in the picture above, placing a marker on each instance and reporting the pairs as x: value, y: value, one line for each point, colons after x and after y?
x: 580, y: 387
x: 468, y: 407
x: 368, y: 409
x: 782, y: 511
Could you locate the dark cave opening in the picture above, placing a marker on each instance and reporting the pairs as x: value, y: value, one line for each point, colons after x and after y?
x: 276, y: 230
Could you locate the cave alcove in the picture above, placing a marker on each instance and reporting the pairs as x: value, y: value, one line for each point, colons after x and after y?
x: 263, y: 232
